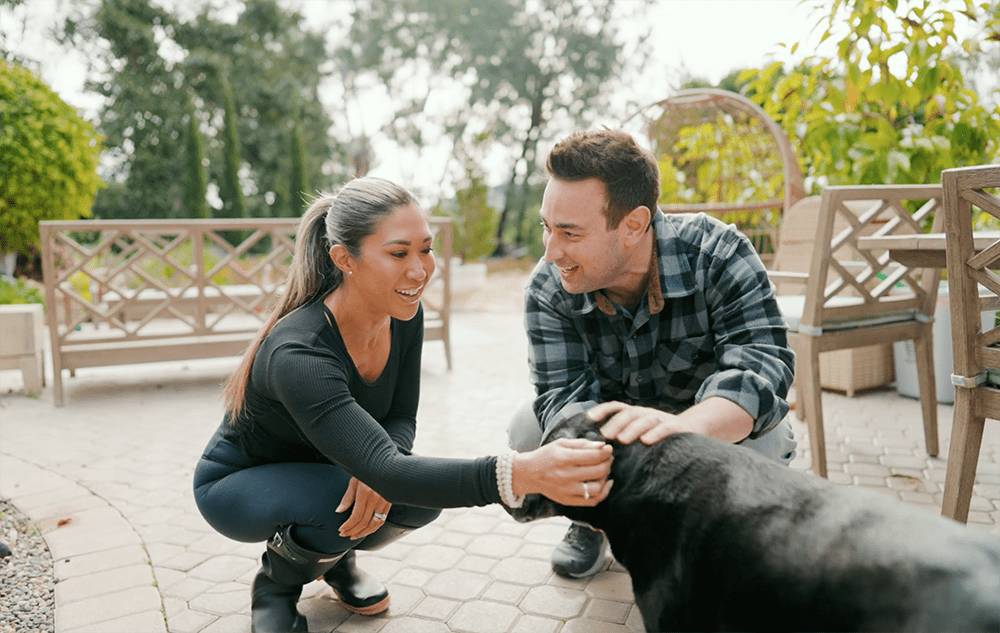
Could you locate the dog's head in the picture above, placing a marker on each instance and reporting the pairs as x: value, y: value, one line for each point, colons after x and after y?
x: 537, y: 506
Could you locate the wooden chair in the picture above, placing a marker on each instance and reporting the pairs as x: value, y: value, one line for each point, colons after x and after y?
x: 754, y: 180
x: 976, y: 353
x: 856, y: 298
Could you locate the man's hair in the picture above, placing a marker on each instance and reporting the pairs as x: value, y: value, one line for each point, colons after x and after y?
x: 629, y: 172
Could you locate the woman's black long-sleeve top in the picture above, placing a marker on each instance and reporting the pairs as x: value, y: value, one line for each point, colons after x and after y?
x: 306, y: 402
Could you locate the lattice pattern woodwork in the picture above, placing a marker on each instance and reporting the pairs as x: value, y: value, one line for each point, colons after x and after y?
x: 126, y: 280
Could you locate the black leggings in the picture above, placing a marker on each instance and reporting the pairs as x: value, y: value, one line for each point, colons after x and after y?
x: 249, y: 503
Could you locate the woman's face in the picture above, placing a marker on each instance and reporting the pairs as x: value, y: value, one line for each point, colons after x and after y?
x: 396, y: 263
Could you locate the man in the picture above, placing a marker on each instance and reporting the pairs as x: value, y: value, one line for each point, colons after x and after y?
x: 659, y: 323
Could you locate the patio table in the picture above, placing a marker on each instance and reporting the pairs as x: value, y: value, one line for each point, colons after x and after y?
x: 922, y: 249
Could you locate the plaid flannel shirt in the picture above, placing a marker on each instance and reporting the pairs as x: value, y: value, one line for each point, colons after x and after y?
x: 708, y: 326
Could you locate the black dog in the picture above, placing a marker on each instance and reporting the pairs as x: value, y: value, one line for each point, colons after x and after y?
x: 718, y: 537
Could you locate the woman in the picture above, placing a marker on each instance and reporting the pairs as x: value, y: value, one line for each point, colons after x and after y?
x: 313, y: 454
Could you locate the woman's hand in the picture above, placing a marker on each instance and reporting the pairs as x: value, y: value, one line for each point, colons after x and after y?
x: 369, y: 512
x: 571, y: 472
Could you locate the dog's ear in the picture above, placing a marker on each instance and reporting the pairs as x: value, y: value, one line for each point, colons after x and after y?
x: 534, y: 507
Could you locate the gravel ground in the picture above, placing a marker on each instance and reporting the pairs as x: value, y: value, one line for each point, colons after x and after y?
x: 27, y: 580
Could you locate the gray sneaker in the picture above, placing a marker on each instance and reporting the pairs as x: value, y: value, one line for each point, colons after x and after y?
x: 581, y: 553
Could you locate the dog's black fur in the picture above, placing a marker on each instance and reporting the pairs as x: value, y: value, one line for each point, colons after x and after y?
x: 718, y: 537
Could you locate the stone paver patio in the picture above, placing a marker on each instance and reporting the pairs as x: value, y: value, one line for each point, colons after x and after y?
x: 107, y: 480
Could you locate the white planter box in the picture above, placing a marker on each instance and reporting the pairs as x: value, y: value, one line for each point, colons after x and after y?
x: 21, y: 342
x: 905, y: 357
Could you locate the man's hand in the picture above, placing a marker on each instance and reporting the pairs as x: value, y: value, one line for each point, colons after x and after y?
x: 716, y: 417
x: 369, y: 511
x: 626, y: 423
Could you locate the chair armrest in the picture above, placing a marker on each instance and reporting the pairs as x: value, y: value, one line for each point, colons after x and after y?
x: 787, y: 275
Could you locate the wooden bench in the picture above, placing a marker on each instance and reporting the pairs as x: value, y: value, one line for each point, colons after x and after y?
x: 168, y: 290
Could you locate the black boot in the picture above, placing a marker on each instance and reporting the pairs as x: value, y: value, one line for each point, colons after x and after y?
x: 285, y: 568
x: 358, y: 591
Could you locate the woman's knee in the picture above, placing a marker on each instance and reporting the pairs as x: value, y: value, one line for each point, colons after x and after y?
x: 412, y: 517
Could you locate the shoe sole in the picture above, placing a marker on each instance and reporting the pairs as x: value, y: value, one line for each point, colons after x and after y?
x: 373, y: 609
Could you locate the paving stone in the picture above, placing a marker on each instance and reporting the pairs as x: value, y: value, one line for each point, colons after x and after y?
x: 591, y: 626
x: 85, y: 564
x: 457, y: 585
x: 435, y: 557
x: 412, y: 577
x: 480, y: 616
x: 505, y: 593
x: 403, y: 599
x: 411, y: 625
x: 111, y: 581
x: 363, y: 624
x: 434, y: 608
x: 146, y: 622
x: 222, y: 568
x: 522, y: 571
x: 479, y: 564
x: 323, y: 612
x: 237, y: 623
x: 187, y: 589
x: 189, y: 621
x: 494, y: 545
x: 611, y: 586
x: 70, y: 542
x: 556, y: 602
x: 100, y: 609
x: 535, y: 624
x: 221, y: 599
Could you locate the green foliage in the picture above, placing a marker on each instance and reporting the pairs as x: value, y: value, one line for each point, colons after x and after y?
x: 892, y: 105
x: 728, y: 159
x: 49, y: 159
x: 154, y: 62
x: 19, y: 292
x: 298, y: 180
x: 196, y: 185
x: 525, y: 70
x: 476, y: 225
x: 230, y: 190
x: 474, y: 221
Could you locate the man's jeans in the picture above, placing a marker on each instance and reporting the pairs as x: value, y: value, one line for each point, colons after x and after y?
x: 525, y: 434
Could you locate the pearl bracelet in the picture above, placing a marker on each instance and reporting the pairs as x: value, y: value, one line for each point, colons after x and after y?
x: 505, y: 481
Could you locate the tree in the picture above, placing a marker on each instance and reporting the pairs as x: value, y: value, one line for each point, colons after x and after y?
x: 230, y: 188
x: 525, y: 71
x: 892, y: 105
x: 196, y: 185
x: 50, y: 157
x: 147, y: 63
x: 298, y: 179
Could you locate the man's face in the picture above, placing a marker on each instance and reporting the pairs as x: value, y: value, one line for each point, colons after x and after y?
x: 589, y: 256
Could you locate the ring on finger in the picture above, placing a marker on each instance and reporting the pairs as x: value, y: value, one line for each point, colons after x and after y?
x: 586, y: 491
x: 378, y: 516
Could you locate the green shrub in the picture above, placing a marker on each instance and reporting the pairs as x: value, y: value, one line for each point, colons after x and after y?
x: 50, y: 157
x: 19, y: 293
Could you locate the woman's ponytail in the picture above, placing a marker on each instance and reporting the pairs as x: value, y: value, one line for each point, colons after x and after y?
x: 345, y: 219
x: 312, y: 276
